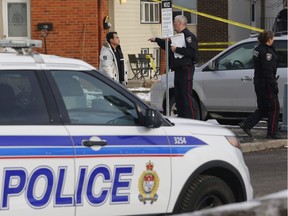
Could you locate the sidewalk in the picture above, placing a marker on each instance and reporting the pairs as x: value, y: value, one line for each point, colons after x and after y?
x: 139, y: 83
x: 258, y: 141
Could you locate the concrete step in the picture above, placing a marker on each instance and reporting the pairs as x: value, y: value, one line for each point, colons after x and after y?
x: 146, y: 83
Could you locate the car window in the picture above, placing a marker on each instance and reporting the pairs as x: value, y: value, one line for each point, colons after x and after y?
x: 281, y: 49
x: 89, y: 100
x: 240, y: 57
x: 21, y: 99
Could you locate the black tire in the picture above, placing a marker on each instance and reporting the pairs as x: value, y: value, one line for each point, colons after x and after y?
x: 173, y: 108
x: 206, y: 192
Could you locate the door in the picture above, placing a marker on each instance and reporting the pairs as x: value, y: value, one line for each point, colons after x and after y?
x: 16, y: 19
x: 230, y: 87
x: 281, y: 49
x: 36, y: 156
x: 122, y: 166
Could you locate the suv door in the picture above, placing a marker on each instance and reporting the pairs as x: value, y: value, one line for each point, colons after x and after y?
x: 119, y: 162
x: 281, y: 49
x: 230, y: 86
x: 37, y: 157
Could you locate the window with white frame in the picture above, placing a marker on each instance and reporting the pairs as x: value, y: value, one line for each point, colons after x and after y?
x: 16, y: 18
x: 150, y: 12
x: 189, y: 5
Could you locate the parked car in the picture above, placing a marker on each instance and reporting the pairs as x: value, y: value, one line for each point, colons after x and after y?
x: 223, y: 87
x: 74, y: 142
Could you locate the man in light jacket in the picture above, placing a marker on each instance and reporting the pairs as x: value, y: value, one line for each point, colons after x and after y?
x: 112, y: 60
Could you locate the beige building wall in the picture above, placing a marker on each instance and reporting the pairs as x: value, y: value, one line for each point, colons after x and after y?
x: 1, y: 20
x: 125, y: 19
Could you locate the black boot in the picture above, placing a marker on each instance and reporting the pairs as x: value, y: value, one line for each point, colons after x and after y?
x: 246, y: 130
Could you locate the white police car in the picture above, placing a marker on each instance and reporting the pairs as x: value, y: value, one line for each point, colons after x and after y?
x: 74, y: 142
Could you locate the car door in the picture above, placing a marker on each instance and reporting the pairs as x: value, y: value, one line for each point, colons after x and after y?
x: 36, y: 155
x: 281, y: 49
x: 122, y: 167
x: 230, y: 86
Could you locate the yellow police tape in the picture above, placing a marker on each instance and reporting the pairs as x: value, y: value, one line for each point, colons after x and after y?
x: 211, y: 49
x: 152, y: 64
x: 216, y: 18
x: 216, y: 43
x: 219, y: 19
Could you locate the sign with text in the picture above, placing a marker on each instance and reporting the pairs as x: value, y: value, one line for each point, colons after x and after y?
x: 167, y: 19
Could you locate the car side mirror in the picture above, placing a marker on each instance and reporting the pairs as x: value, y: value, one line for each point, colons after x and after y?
x: 153, y: 118
x: 212, y: 65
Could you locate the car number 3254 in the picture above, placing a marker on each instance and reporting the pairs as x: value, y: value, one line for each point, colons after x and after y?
x: 179, y: 140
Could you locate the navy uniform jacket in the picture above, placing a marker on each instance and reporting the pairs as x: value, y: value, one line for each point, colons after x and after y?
x: 265, y: 64
x: 190, y: 52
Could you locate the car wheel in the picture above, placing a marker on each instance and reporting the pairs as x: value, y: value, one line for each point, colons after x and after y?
x: 206, y: 192
x: 173, y: 108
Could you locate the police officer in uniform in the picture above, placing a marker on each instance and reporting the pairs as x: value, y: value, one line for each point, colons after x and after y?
x: 183, y: 67
x: 266, y: 87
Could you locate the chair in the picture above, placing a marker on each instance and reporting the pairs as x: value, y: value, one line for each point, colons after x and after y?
x: 144, y: 60
x: 134, y: 65
x: 156, y: 69
x: 149, y: 64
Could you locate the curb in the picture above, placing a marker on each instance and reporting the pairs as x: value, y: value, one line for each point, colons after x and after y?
x: 263, y: 145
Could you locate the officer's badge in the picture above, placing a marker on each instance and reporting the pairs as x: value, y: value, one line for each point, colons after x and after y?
x: 148, y: 184
x: 268, y: 56
x: 189, y: 39
x: 105, y: 57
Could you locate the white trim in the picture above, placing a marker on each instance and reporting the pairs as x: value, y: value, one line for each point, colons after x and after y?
x: 143, y: 14
x: 5, y: 21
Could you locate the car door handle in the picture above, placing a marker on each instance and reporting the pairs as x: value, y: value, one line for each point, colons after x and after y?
x: 90, y: 143
x: 247, y: 78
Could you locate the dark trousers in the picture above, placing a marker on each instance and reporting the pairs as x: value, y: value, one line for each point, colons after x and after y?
x: 268, y: 106
x: 183, y: 83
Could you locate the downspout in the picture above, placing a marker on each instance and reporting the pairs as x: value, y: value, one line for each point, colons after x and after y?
x: 100, y: 29
x: 263, y: 14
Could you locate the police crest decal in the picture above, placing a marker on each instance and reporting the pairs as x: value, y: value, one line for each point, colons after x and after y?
x: 148, y: 184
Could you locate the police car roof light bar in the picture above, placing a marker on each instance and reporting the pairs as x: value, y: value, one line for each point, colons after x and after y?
x: 18, y: 44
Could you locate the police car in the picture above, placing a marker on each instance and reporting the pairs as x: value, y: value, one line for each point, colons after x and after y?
x: 74, y: 142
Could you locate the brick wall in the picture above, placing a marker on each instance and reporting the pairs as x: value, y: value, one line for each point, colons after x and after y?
x: 209, y: 30
x: 77, y: 27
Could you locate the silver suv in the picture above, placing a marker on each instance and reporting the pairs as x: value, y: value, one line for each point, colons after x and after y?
x: 223, y: 87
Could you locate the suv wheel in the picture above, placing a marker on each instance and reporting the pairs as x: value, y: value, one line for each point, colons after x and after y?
x: 173, y: 107
x: 206, y: 192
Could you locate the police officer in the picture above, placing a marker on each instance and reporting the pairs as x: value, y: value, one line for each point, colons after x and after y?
x: 266, y: 87
x: 183, y: 65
